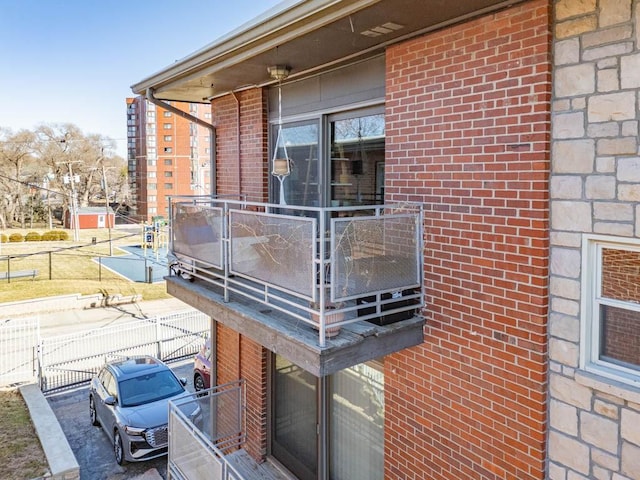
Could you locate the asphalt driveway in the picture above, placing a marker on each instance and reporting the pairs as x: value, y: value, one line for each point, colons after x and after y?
x: 90, y: 444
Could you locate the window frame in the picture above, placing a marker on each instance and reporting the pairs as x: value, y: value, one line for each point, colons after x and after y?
x: 591, y: 332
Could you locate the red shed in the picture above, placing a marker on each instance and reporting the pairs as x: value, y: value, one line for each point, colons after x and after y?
x: 91, y: 217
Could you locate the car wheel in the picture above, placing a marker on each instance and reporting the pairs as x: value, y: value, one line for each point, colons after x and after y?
x: 198, y: 382
x: 92, y: 412
x: 117, y: 448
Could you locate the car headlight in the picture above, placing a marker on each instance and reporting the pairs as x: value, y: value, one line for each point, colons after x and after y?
x: 134, y: 431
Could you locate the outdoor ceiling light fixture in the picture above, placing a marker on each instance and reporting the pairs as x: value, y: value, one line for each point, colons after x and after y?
x: 279, y: 72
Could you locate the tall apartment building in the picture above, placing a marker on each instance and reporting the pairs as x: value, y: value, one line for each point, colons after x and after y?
x: 167, y: 155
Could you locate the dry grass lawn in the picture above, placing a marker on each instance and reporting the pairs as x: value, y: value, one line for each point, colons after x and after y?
x: 68, y: 267
x: 21, y: 454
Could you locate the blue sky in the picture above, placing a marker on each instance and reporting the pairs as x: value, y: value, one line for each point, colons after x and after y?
x: 73, y: 61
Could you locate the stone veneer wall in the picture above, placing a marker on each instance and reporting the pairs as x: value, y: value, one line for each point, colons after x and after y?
x: 594, y: 426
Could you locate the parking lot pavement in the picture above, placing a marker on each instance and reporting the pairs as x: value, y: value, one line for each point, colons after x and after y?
x: 90, y: 444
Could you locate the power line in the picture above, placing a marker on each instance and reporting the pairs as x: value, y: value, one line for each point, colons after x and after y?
x: 34, y: 185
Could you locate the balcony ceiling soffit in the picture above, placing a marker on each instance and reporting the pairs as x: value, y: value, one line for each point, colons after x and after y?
x: 331, y: 34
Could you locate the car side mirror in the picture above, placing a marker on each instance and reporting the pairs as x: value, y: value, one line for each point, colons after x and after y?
x: 110, y: 400
x: 183, y: 381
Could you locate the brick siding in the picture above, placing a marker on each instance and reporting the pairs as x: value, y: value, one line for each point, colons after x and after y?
x: 251, y: 177
x: 239, y: 357
x: 468, y: 131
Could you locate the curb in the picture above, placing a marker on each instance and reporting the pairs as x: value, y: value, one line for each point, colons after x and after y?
x: 63, y: 464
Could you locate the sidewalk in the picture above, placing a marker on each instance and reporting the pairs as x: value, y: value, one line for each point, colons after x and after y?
x: 54, y: 323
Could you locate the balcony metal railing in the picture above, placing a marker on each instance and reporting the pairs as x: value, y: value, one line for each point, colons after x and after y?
x: 326, y: 267
x: 198, y: 448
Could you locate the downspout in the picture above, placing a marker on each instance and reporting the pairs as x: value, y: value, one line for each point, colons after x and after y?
x: 213, y: 332
x: 202, y: 123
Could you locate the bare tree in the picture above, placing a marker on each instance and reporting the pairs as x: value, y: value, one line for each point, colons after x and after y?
x: 16, y: 152
x: 52, y: 164
x: 74, y: 160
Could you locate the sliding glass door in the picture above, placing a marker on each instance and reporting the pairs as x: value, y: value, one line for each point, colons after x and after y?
x: 294, y: 439
x: 357, y: 158
x: 356, y: 419
x: 335, y: 160
x: 302, y: 182
x: 328, y: 429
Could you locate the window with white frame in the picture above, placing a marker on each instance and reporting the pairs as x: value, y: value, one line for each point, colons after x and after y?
x: 611, y: 313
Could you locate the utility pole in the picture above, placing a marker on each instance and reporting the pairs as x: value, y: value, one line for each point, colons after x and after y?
x: 74, y: 205
x: 106, y: 206
x: 74, y: 195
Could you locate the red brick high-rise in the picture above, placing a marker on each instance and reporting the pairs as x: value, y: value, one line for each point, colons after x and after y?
x: 167, y: 155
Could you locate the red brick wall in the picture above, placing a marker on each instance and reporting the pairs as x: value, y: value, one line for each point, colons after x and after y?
x: 252, y: 147
x: 239, y: 357
x: 254, y: 371
x: 228, y: 355
x: 468, y: 132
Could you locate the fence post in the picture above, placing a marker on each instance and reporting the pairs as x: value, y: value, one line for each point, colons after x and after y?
x: 50, y: 266
x: 158, y: 339
x: 41, y: 379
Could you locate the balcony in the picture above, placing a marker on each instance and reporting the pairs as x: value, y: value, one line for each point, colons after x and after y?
x: 210, y: 445
x: 327, y: 288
